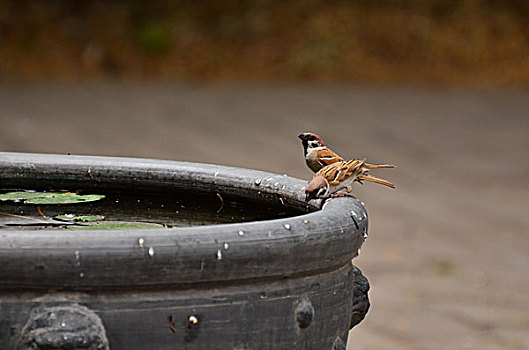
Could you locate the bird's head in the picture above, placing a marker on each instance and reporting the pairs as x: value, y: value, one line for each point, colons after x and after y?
x: 318, y: 187
x: 310, y: 140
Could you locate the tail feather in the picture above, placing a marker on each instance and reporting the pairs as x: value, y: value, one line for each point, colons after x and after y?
x: 377, y: 166
x: 375, y: 180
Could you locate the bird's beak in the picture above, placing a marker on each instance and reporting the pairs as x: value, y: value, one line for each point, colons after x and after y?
x: 302, y: 136
x: 309, y: 196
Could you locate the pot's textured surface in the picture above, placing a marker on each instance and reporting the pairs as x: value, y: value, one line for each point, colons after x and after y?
x: 276, y: 284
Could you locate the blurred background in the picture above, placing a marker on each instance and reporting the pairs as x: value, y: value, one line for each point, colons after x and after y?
x: 440, y: 88
x: 475, y: 42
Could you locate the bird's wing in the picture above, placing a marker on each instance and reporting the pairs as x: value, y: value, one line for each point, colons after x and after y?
x: 326, y: 157
x: 340, y: 171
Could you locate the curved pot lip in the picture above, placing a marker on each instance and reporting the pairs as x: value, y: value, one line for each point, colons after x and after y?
x: 306, y: 244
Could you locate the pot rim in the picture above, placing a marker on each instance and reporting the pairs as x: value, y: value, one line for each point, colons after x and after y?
x: 307, y: 244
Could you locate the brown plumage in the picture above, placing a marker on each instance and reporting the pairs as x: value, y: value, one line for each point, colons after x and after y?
x: 339, y: 176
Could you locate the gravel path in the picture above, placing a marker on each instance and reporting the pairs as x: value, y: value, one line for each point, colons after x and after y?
x: 448, y: 251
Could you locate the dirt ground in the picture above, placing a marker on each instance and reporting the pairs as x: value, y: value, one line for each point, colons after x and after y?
x: 448, y: 250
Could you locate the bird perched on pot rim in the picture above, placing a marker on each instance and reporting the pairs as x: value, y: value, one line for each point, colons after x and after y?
x: 317, y: 155
x: 339, y: 176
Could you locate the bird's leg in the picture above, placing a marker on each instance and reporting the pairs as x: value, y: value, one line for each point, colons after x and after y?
x: 340, y: 194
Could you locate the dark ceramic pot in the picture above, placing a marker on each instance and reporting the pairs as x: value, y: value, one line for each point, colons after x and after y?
x: 283, y: 282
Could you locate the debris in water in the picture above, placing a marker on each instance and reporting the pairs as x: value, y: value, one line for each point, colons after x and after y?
x: 171, y: 324
x: 40, y: 212
x: 151, y: 251
x: 221, y: 202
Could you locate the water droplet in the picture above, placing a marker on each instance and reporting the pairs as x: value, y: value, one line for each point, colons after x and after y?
x: 138, y: 201
x: 192, y: 320
x: 286, y: 226
x: 76, y: 255
x: 276, y: 184
x: 63, y: 324
x: 81, y: 275
x: 151, y: 251
x: 305, y: 221
x: 257, y: 182
x: 162, y: 205
x: 226, y: 245
x: 219, y: 255
x: 241, y: 233
x: 140, y: 242
x: 117, y: 200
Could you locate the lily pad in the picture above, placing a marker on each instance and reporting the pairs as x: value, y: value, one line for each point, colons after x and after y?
x: 84, y: 218
x: 50, y: 197
x: 115, y: 225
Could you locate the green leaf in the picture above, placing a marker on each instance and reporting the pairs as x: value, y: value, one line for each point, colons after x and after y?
x: 20, y: 196
x: 50, y: 197
x: 116, y: 225
x: 84, y: 218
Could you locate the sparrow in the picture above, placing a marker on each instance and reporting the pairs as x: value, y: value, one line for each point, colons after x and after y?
x: 317, y: 155
x: 339, y: 176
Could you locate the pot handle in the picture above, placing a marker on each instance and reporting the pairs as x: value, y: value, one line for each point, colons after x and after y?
x: 360, y: 297
x: 69, y: 326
